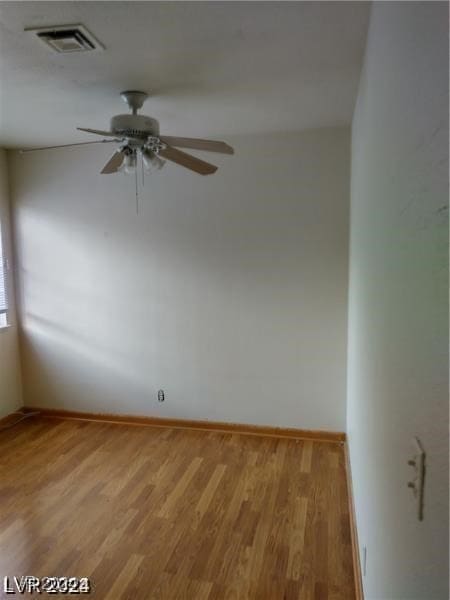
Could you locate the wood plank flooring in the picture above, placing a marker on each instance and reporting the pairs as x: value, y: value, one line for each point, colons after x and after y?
x: 154, y: 513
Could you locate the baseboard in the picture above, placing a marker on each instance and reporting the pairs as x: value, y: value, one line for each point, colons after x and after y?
x: 353, y: 530
x: 261, y: 430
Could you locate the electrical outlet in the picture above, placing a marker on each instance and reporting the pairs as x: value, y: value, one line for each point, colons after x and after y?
x: 417, y: 483
x: 161, y: 397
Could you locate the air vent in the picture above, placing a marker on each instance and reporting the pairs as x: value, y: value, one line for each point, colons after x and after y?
x: 67, y: 38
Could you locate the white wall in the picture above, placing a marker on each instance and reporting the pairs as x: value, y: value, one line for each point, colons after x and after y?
x: 10, y: 382
x: 398, y: 305
x: 229, y: 292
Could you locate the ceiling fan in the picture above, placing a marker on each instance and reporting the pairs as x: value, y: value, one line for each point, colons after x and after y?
x: 138, y: 136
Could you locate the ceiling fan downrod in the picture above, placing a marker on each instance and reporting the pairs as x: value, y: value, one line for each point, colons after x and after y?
x: 134, y: 99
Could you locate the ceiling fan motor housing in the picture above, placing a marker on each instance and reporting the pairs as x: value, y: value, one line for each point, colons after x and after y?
x: 134, y: 126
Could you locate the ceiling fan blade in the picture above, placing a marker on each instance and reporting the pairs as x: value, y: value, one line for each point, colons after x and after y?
x: 188, y: 161
x: 197, y: 144
x: 114, y: 162
x: 65, y: 146
x: 98, y: 132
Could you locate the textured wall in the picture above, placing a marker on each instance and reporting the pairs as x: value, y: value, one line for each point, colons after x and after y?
x: 229, y: 292
x: 398, y: 300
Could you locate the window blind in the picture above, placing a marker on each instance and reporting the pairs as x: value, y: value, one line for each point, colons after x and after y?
x: 3, y: 298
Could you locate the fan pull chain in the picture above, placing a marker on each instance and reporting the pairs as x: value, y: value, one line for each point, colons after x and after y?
x: 136, y: 188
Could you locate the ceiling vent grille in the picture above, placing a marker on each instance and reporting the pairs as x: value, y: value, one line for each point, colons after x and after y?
x: 67, y: 38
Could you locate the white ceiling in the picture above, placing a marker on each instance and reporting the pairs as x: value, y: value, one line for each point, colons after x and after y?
x: 214, y: 68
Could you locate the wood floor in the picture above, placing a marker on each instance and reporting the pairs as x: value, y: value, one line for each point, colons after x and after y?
x: 151, y: 513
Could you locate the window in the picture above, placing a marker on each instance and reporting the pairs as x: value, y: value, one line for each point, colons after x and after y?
x: 3, y: 299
